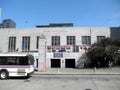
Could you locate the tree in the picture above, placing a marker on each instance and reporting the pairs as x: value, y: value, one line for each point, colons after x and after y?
x: 102, y: 52
x: 96, y: 56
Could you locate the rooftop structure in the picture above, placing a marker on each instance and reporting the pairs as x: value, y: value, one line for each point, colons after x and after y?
x: 8, y: 23
x: 56, y: 25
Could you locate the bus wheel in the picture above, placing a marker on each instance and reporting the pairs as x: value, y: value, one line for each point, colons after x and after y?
x: 3, y: 74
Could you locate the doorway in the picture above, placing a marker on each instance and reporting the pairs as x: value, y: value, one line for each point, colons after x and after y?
x: 55, y: 63
x: 70, y: 63
x: 37, y: 63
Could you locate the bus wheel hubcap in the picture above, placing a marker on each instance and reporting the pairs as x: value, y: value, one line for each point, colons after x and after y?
x: 3, y: 75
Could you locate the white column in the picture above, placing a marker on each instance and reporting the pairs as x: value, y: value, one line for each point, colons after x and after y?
x: 42, y: 54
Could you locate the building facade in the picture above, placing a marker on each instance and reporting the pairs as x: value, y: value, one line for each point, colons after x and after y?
x: 54, y: 47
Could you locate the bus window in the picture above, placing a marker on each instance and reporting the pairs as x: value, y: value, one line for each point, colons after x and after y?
x: 11, y: 61
x: 3, y: 61
x: 23, y: 61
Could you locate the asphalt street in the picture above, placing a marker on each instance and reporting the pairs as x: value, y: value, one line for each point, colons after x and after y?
x: 63, y: 82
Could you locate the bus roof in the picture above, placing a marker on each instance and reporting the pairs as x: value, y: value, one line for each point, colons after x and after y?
x: 13, y: 54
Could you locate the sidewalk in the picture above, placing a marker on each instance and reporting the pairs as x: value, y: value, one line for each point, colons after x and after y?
x: 72, y: 71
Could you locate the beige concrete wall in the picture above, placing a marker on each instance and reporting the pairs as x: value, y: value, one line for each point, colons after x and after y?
x: 48, y: 32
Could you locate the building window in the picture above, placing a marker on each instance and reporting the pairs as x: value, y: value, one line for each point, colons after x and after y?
x: 75, y: 48
x: 70, y: 40
x: 12, y: 44
x: 99, y: 38
x: 55, y: 40
x: 25, y: 43
x: 86, y: 40
x: 37, y: 42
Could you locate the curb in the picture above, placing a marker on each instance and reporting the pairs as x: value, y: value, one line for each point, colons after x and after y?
x: 60, y: 73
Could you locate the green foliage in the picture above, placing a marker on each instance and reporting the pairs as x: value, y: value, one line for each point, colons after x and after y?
x: 102, y: 52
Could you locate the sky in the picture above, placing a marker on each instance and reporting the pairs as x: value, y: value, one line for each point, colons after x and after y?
x: 83, y: 13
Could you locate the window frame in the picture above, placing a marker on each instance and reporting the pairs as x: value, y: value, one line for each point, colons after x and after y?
x: 99, y: 38
x: 71, y: 40
x: 12, y: 43
x: 86, y: 40
x: 25, y: 43
x: 55, y: 40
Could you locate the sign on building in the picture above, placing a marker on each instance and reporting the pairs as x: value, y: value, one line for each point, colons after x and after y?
x: 58, y: 55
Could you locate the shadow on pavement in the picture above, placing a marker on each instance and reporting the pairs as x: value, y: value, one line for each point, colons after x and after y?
x: 20, y: 78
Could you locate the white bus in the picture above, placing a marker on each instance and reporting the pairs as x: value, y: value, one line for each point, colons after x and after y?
x: 16, y: 65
